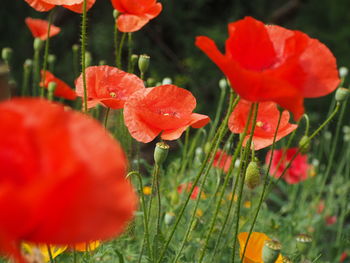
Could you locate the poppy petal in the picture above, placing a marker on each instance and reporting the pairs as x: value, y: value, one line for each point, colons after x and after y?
x: 199, y: 120
x: 154, y: 10
x: 40, y: 5
x: 63, y: 2
x: 173, y: 134
x: 78, y: 8
x: 131, y: 23
x: 62, y: 89
x: 39, y: 28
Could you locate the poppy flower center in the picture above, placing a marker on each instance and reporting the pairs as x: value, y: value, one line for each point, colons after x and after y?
x: 168, y: 113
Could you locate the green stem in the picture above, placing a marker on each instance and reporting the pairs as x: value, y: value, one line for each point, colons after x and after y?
x: 26, y: 79
x: 307, y: 124
x: 130, y: 46
x: 120, y: 49
x: 46, y: 52
x: 116, y: 44
x: 50, y: 253
x: 243, y: 164
x: 106, y: 117
x: 83, y: 53
x: 265, y: 184
x: 36, y: 72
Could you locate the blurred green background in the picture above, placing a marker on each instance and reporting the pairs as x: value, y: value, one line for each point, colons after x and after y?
x: 169, y: 39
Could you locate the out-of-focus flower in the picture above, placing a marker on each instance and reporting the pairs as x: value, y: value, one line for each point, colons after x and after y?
x: 108, y: 85
x: 39, y: 28
x: 47, y: 5
x: 165, y: 110
x: 343, y: 256
x: 271, y: 63
x: 330, y: 220
x: 87, y: 246
x: 62, y: 177
x: 187, y: 187
x: 135, y: 14
x: 320, y: 207
x: 62, y: 89
x: 199, y: 212
x: 266, y: 123
x: 297, y: 171
x: 40, y: 253
x: 247, y: 204
x: 222, y: 160
x: 147, y: 190
x: 254, y: 248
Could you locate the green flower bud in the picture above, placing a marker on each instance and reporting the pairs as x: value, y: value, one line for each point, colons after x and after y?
x: 252, y: 175
x: 304, y: 144
x: 144, y: 63
x: 38, y: 44
x: 223, y: 83
x: 88, y: 59
x: 161, y: 152
x: 343, y: 72
x: 150, y: 82
x: 271, y: 251
x: 303, y: 243
x: 115, y: 13
x: 134, y: 58
x: 341, y: 94
x: 75, y: 48
x: 28, y: 64
x: 169, y: 218
x: 102, y: 62
x: 167, y: 81
x: 6, y: 54
x: 51, y: 89
x: 51, y: 58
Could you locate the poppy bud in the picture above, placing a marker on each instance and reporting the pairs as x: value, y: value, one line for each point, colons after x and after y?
x: 51, y: 89
x: 150, y: 82
x: 143, y: 63
x: 270, y: 251
x: 75, y: 48
x: 102, y: 62
x: 6, y: 54
x: 169, y: 218
x: 303, y: 243
x: 341, y: 94
x: 223, y: 83
x: 167, y: 81
x: 115, y: 13
x: 134, y: 58
x: 343, y: 72
x: 38, y: 44
x: 252, y: 175
x: 161, y: 152
x: 28, y: 63
x: 88, y: 59
x: 304, y: 144
x: 51, y: 58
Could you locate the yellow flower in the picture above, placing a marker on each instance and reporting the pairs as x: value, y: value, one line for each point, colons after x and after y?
x: 255, y: 245
x: 247, y: 204
x: 199, y: 212
x: 83, y: 247
x: 40, y: 253
x: 147, y: 190
x: 203, y: 196
x: 229, y: 197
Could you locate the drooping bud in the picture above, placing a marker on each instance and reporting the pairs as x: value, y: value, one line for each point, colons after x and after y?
x: 270, y: 251
x: 252, y: 175
x: 38, y: 44
x: 304, y: 144
x: 303, y: 243
x: 169, y: 218
x: 167, y: 81
x: 51, y: 89
x: 341, y: 94
x: 6, y: 54
x: 161, y: 152
x: 143, y: 63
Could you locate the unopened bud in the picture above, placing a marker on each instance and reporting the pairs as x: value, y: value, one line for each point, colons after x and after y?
x: 303, y: 243
x: 161, y: 152
x: 115, y: 13
x: 51, y: 89
x: 38, y: 44
x: 51, y: 58
x: 341, y: 94
x: 343, y: 72
x: 144, y: 63
x: 88, y: 59
x: 28, y: 63
x: 167, y: 81
x: 252, y: 175
x: 223, y: 84
x: 134, y: 58
x: 6, y: 54
x: 169, y: 218
x: 304, y: 144
x: 270, y: 251
x: 150, y: 82
x: 102, y: 62
x: 75, y: 48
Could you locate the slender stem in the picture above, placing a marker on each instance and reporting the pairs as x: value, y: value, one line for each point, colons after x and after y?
x: 50, y: 253
x: 265, y: 184
x: 120, y: 48
x: 26, y: 79
x: 46, y: 52
x: 130, y: 46
x: 159, y: 204
x: 36, y: 72
x: 243, y: 164
x: 106, y: 117
x: 83, y: 52
x: 116, y: 43
x: 307, y: 123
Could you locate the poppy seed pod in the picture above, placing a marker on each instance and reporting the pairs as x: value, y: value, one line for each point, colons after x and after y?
x: 134, y: 58
x: 38, y: 44
x: 6, y: 54
x: 169, y: 218
x: 51, y: 89
x: 343, y: 72
x: 303, y: 243
x: 161, y: 152
x: 341, y: 94
x: 144, y: 63
x: 252, y: 175
x: 304, y: 144
x: 115, y: 13
x: 28, y: 63
x: 223, y: 84
x: 270, y: 251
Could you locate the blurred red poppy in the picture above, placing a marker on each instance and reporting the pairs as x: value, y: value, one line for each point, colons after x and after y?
x: 165, y: 109
x: 62, y: 177
x: 39, y: 28
x: 62, y: 89
x: 330, y: 220
x: 297, y: 171
x: 187, y: 187
x: 222, y: 160
x: 135, y: 13
x: 266, y: 123
x: 271, y: 63
x: 343, y: 256
x: 47, y: 5
x: 109, y: 86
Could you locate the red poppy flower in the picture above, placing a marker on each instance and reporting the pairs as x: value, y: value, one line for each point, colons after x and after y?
x: 222, y: 160
x: 297, y: 171
x: 343, y: 256
x: 39, y: 28
x: 165, y: 109
x: 62, y: 89
x: 187, y: 187
x: 271, y: 63
x: 47, y: 5
x: 135, y: 13
x: 108, y: 85
x: 320, y: 207
x: 62, y: 177
x: 266, y: 123
x: 330, y: 220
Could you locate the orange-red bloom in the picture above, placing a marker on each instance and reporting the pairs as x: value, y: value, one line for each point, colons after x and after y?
x: 222, y: 160
x: 39, y: 28
x: 271, y: 63
x: 135, y: 13
x: 109, y: 86
x: 62, y: 89
x: 266, y: 123
x: 187, y: 187
x: 47, y: 5
x: 297, y: 171
x: 165, y: 109
x: 62, y: 177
